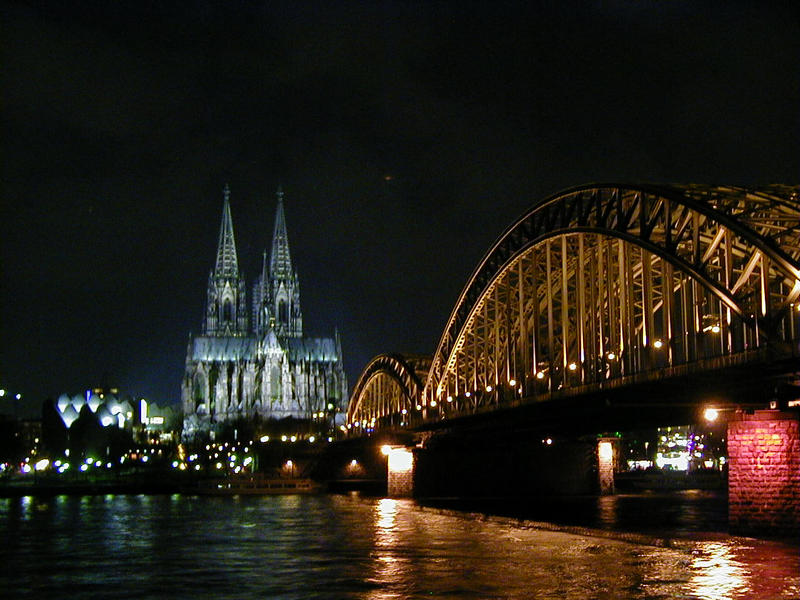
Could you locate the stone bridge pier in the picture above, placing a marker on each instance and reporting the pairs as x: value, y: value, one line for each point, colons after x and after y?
x: 764, y: 473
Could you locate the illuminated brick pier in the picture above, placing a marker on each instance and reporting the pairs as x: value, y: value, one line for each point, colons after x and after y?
x: 764, y: 476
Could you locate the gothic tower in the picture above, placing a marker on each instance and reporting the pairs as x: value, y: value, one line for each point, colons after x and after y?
x: 279, y: 287
x: 226, y: 307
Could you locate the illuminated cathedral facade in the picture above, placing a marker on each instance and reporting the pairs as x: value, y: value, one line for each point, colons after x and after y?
x: 252, y: 360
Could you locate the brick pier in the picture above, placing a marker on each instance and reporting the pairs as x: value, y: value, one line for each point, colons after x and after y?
x: 764, y: 473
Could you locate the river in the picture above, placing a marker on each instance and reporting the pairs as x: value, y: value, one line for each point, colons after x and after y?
x: 340, y: 546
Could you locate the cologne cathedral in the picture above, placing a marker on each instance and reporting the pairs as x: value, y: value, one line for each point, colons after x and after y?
x: 252, y: 361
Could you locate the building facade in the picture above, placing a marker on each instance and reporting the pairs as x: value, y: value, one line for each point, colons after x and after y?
x: 253, y: 361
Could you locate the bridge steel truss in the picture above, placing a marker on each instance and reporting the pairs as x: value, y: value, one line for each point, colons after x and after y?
x: 600, y: 286
x: 607, y: 284
x: 388, y: 392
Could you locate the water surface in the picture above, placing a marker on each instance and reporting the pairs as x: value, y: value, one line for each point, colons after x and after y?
x: 340, y: 547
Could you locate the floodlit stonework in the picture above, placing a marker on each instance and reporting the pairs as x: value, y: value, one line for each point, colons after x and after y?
x: 257, y: 364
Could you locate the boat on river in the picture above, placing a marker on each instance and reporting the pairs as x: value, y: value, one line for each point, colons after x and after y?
x: 255, y: 485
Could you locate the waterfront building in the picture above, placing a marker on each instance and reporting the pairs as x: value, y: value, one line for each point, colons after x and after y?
x: 254, y: 363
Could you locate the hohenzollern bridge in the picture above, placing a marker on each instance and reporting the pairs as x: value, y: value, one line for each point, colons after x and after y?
x: 610, y: 306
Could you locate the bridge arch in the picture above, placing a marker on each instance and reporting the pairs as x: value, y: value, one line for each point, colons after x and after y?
x: 387, y: 392
x: 601, y: 284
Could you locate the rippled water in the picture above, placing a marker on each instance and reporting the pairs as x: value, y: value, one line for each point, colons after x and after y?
x: 347, y: 547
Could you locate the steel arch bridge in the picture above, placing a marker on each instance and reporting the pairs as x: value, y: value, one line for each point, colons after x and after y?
x: 388, y: 391
x: 605, y: 285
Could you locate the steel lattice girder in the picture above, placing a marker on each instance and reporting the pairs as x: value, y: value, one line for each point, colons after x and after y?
x: 740, y: 246
x: 388, y: 384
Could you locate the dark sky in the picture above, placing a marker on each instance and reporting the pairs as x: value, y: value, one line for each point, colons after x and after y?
x: 406, y: 136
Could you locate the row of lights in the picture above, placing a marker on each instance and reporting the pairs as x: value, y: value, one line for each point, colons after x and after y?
x: 292, y: 438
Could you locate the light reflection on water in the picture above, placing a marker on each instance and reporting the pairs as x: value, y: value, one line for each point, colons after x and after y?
x: 388, y: 567
x: 718, y: 574
x: 118, y: 546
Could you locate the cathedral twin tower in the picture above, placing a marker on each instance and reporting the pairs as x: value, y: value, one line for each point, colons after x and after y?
x: 256, y: 363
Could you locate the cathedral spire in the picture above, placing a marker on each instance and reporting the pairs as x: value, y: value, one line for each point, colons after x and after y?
x: 227, y: 262
x: 280, y: 259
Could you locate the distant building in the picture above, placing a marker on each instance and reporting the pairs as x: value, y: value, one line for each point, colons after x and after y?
x: 106, y: 406
x: 253, y: 361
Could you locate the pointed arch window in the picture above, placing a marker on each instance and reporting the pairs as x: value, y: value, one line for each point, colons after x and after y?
x: 283, y: 312
x: 227, y: 311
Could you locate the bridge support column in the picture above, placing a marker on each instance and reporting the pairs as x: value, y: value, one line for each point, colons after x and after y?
x: 401, y: 472
x: 764, y: 473
x: 606, y: 459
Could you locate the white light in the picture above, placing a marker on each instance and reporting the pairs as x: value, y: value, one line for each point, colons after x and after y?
x: 489, y: 388
x: 311, y: 439
x: 540, y: 375
x: 404, y: 411
x: 386, y: 450
x: 433, y: 403
x: 18, y: 396
x: 468, y: 394
x: 572, y: 366
x: 283, y: 438
x: 264, y: 438
x: 658, y: 344
x: 449, y: 398
x: 549, y: 441
x: 354, y: 463
x: 612, y: 356
x: 512, y: 382
x: 400, y: 460
x: 289, y: 464
x: 419, y: 407
x: 84, y: 467
x: 710, y: 414
x: 605, y: 451
x: 42, y: 464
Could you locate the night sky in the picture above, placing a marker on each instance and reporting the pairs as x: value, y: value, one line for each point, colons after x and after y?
x: 406, y: 137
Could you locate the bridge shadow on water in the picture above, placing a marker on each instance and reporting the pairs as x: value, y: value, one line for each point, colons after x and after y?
x: 676, y: 513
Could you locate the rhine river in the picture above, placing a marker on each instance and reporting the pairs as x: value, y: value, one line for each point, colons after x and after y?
x: 339, y: 547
